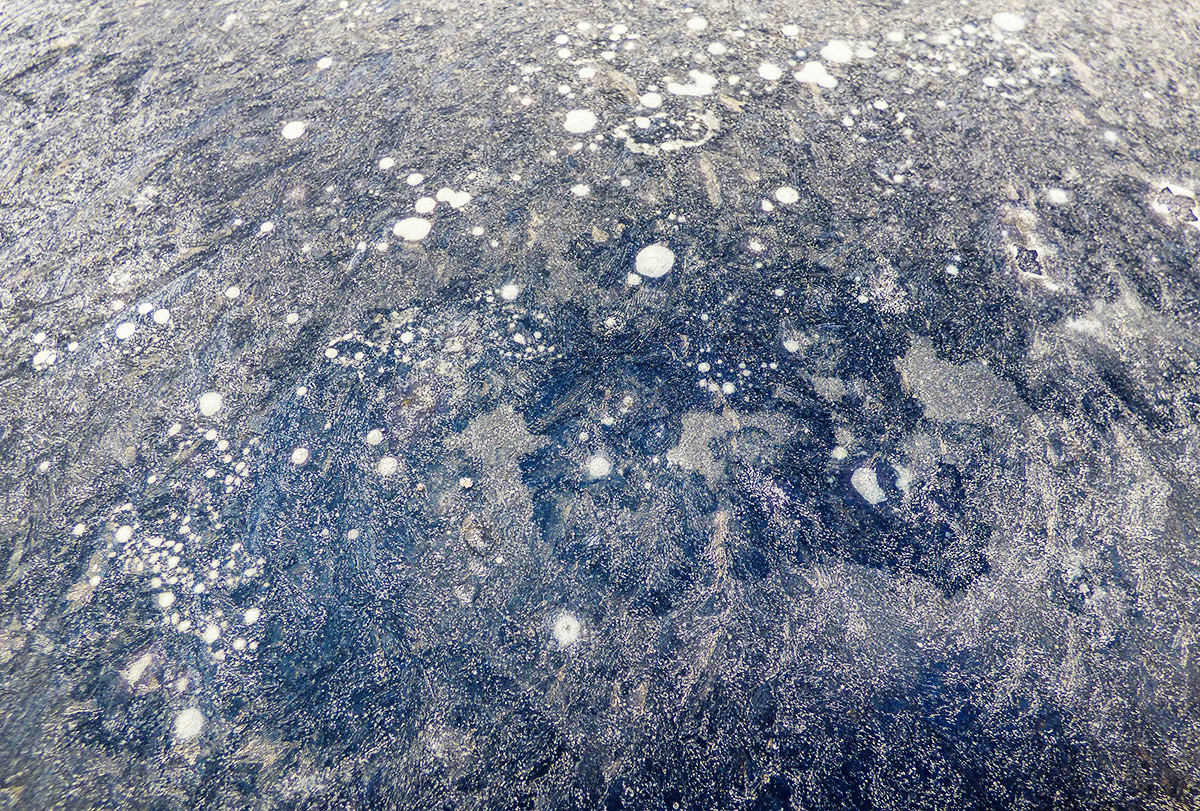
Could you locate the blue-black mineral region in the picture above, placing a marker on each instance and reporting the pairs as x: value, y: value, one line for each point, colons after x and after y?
x: 555, y: 405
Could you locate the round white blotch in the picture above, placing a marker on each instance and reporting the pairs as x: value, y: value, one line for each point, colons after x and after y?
x: 654, y: 260
x: 211, y: 633
x: 1008, y: 21
x: 770, y: 72
x: 697, y: 24
x: 123, y: 534
x: 166, y: 599
x: 579, y: 121
x: 386, y: 163
x: 412, y: 228
x: 837, y: 51
x: 374, y: 436
x: 424, y: 205
x: 210, y: 403
x: 1058, y: 196
x: 415, y: 179
x: 125, y: 330
x: 581, y: 190
x: 388, y: 465
x: 839, y: 453
x: 815, y: 73
x: 651, y: 100
x: 293, y: 130
x: 161, y: 316
x: 791, y: 345
x: 787, y: 195
x: 598, y: 467
x: 300, y: 456
x: 189, y: 724
x: 232, y: 292
x: 509, y: 292
x: 325, y: 63
x: 566, y: 630
x: 790, y: 30
x: 867, y: 485
x: 251, y: 616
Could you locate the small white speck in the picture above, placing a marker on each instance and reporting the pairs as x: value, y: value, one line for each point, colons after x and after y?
x: 232, y: 292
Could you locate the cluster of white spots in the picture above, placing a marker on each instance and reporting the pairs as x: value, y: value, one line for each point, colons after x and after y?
x: 1009, y: 21
x: 293, y: 130
x: 456, y: 199
x: 510, y: 291
x: 598, y: 467
x: 210, y: 403
x: 579, y: 121
x: 867, y: 485
x: 769, y: 71
x: 837, y: 51
x: 787, y: 195
x: 299, y: 456
x: 189, y: 724
x: 388, y: 465
x: 815, y: 73
x: 566, y: 630
x: 654, y: 261
x: 412, y: 229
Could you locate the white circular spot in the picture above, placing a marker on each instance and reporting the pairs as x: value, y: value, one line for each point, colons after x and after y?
x: 232, y: 292
x: 697, y: 24
x: 388, y: 465
x: 509, y: 292
x: 251, y: 616
x: 790, y: 30
x: 125, y: 330
x: 415, y: 179
x: 386, y: 163
x: 787, y: 195
x: 770, y: 72
x: 123, y: 534
x: 837, y: 51
x: 210, y: 403
x: 1008, y: 21
x: 791, y: 345
x: 566, y: 630
x: 374, y: 436
x: 211, y: 633
x: 1058, y: 196
x: 300, y: 456
x: 412, y: 228
x: 581, y: 190
x: 166, y: 599
x: 293, y: 130
x: 598, y: 467
x: 325, y: 63
x: 654, y: 261
x: 189, y: 724
x: 651, y: 100
x: 424, y: 205
x: 579, y: 121
x: 161, y: 316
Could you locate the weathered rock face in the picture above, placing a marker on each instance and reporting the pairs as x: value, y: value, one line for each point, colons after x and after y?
x: 551, y: 407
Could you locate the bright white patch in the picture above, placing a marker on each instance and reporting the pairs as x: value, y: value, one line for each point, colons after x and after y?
x: 210, y: 403
x: 839, y: 452
x: 837, y: 51
x: 166, y: 599
x: 787, y: 195
x: 651, y: 100
x: 374, y: 436
x: 1009, y: 21
x: 251, y: 616
x: 718, y: 48
x: 325, y: 63
x: 232, y: 292
x: 211, y: 633
x: 697, y: 24
x: 510, y: 291
x: 654, y: 261
x: 388, y: 465
x: 125, y: 330
x: 632, y: 279
x: 579, y: 121
x: 189, y: 724
x: 581, y: 190
x: 387, y: 163
x: 1058, y: 196
x: 895, y: 35
x: 299, y: 456
x: 415, y: 179
x: 815, y: 73
x: 161, y: 316
x: 791, y: 345
x: 293, y: 130
x: 702, y: 85
x: 412, y: 229
x: 135, y: 671
x: 44, y: 358
x: 770, y: 72
x: 867, y: 485
x: 790, y: 30
x: 598, y: 467
x: 566, y: 630
x: 424, y: 205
